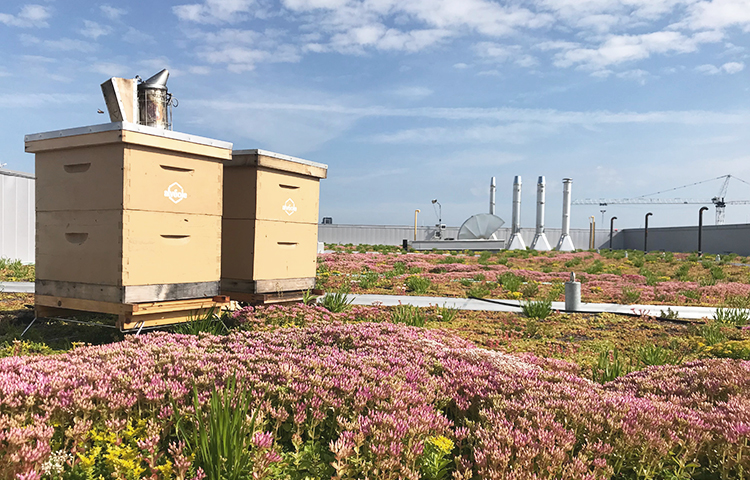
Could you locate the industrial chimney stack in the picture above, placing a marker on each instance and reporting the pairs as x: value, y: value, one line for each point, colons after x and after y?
x: 566, y: 243
x: 516, y: 242
x: 540, y: 238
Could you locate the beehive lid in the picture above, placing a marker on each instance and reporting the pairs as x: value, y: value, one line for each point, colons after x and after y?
x: 277, y: 161
x: 128, y: 133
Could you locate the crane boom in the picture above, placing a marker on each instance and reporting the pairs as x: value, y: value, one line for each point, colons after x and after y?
x: 718, y: 201
x: 639, y: 200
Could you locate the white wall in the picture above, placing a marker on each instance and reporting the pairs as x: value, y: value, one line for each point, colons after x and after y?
x: 17, y: 228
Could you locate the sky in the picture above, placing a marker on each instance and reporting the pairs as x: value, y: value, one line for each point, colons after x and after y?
x: 408, y: 101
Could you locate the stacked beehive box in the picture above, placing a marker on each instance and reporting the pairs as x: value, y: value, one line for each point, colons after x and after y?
x: 270, y: 225
x: 127, y: 214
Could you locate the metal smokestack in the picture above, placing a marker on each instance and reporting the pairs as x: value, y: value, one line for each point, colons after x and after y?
x: 492, y: 196
x: 566, y: 243
x: 540, y: 238
x: 516, y: 242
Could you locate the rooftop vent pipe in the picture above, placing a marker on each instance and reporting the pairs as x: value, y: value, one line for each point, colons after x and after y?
x: 566, y: 243
x: 540, y: 239
x: 492, y: 196
x: 516, y: 242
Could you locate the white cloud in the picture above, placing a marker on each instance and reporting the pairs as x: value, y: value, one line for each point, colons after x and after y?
x: 482, y: 16
x: 94, y: 30
x: 370, y: 175
x: 111, y: 69
x: 460, y: 66
x: 59, y: 44
x: 729, y: 68
x: 215, y: 11
x: 199, y: 70
x: 708, y: 69
x: 29, y: 16
x: 241, y: 59
x: 242, y: 50
x: 496, y: 52
x: 733, y: 67
x: 541, y: 116
x: 157, y: 64
x: 34, y: 100
x: 718, y: 14
x: 378, y: 36
x: 113, y: 13
x: 136, y: 37
x: 512, y: 133
x: 619, y: 49
x: 413, y: 92
x: 607, y: 33
x: 636, y: 75
x: 353, y: 26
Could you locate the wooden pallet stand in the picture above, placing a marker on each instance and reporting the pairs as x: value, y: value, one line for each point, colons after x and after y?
x: 272, y: 298
x: 130, y: 316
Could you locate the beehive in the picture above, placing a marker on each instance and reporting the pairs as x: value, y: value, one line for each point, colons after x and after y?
x: 270, y: 223
x: 127, y: 213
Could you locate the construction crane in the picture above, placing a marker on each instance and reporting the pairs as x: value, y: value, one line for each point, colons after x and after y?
x: 719, y: 200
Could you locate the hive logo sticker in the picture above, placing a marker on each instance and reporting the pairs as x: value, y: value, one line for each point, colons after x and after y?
x: 289, y: 207
x: 175, y: 192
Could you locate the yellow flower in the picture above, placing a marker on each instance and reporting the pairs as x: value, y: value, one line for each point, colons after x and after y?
x: 88, y: 461
x: 444, y: 444
x: 165, y: 470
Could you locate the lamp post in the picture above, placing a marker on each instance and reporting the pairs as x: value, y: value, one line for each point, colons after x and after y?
x: 592, y: 232
x: 611, y: 230
x: 439, y: 232
x: 645, y: 233
x: 700, y: 229
x: 415, y: 223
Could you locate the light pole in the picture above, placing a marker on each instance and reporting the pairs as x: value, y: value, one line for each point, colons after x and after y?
x: 415, y: 223
x: 592, y: 232
x: 439, y: 232
x: 645, y: 233
x: 611, y: 230
x: 700, y: 229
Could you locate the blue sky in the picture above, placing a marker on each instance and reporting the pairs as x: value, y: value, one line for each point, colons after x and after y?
x: 410, y: 100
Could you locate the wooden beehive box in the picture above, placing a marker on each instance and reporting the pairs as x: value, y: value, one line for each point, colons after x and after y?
x: 127, y: 213
x: 270, y: 223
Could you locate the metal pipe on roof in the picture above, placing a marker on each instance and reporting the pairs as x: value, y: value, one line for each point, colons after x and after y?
x: 492, y: 196
x: 540, y: 238
x: 516, y: 242
x: 565, y: 244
